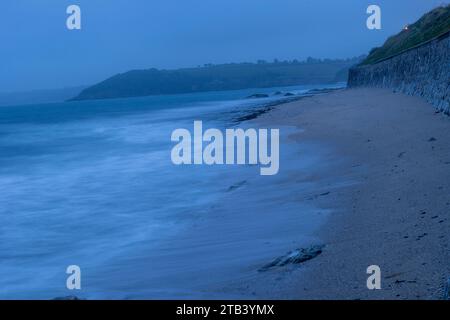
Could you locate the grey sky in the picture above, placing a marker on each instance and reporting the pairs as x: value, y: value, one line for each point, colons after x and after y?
x: 39, y: 52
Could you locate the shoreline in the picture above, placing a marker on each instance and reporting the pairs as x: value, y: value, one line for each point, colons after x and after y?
x: 249, y: 115
x: 392, y: 150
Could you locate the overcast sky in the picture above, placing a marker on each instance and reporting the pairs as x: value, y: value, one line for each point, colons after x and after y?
x: 38, y: 52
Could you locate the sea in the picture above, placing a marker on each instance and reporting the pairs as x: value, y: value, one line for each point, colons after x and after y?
x: 92, y: 184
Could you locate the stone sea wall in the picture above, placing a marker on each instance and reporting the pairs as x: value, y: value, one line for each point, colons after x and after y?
x: 420, y: 71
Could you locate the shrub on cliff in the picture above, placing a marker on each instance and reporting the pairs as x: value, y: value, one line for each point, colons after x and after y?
x: 429, y: 26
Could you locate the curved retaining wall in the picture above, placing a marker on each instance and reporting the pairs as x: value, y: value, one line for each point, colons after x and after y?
x: 421, y: 71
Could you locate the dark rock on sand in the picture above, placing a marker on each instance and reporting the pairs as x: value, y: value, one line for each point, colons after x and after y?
x: 236, y: 185
x: 319, y: 195
x: 295, y: 257
x: 68, y: 298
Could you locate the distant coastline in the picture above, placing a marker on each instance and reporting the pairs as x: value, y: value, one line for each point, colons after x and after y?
x: 223, y: 77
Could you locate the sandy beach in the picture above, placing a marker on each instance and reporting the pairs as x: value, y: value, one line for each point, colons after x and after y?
x: 393, y: 151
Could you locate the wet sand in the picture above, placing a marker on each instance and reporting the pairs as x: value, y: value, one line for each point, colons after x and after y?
x: 386, y: 181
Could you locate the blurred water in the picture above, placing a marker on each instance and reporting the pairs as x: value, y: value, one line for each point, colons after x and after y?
x: 91, y: 183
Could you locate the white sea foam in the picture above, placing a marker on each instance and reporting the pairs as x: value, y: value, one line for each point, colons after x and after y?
x: 92, y: 184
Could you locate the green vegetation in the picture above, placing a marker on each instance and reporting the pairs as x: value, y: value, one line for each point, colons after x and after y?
x: 211, y: 77
x: 431, y: 25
